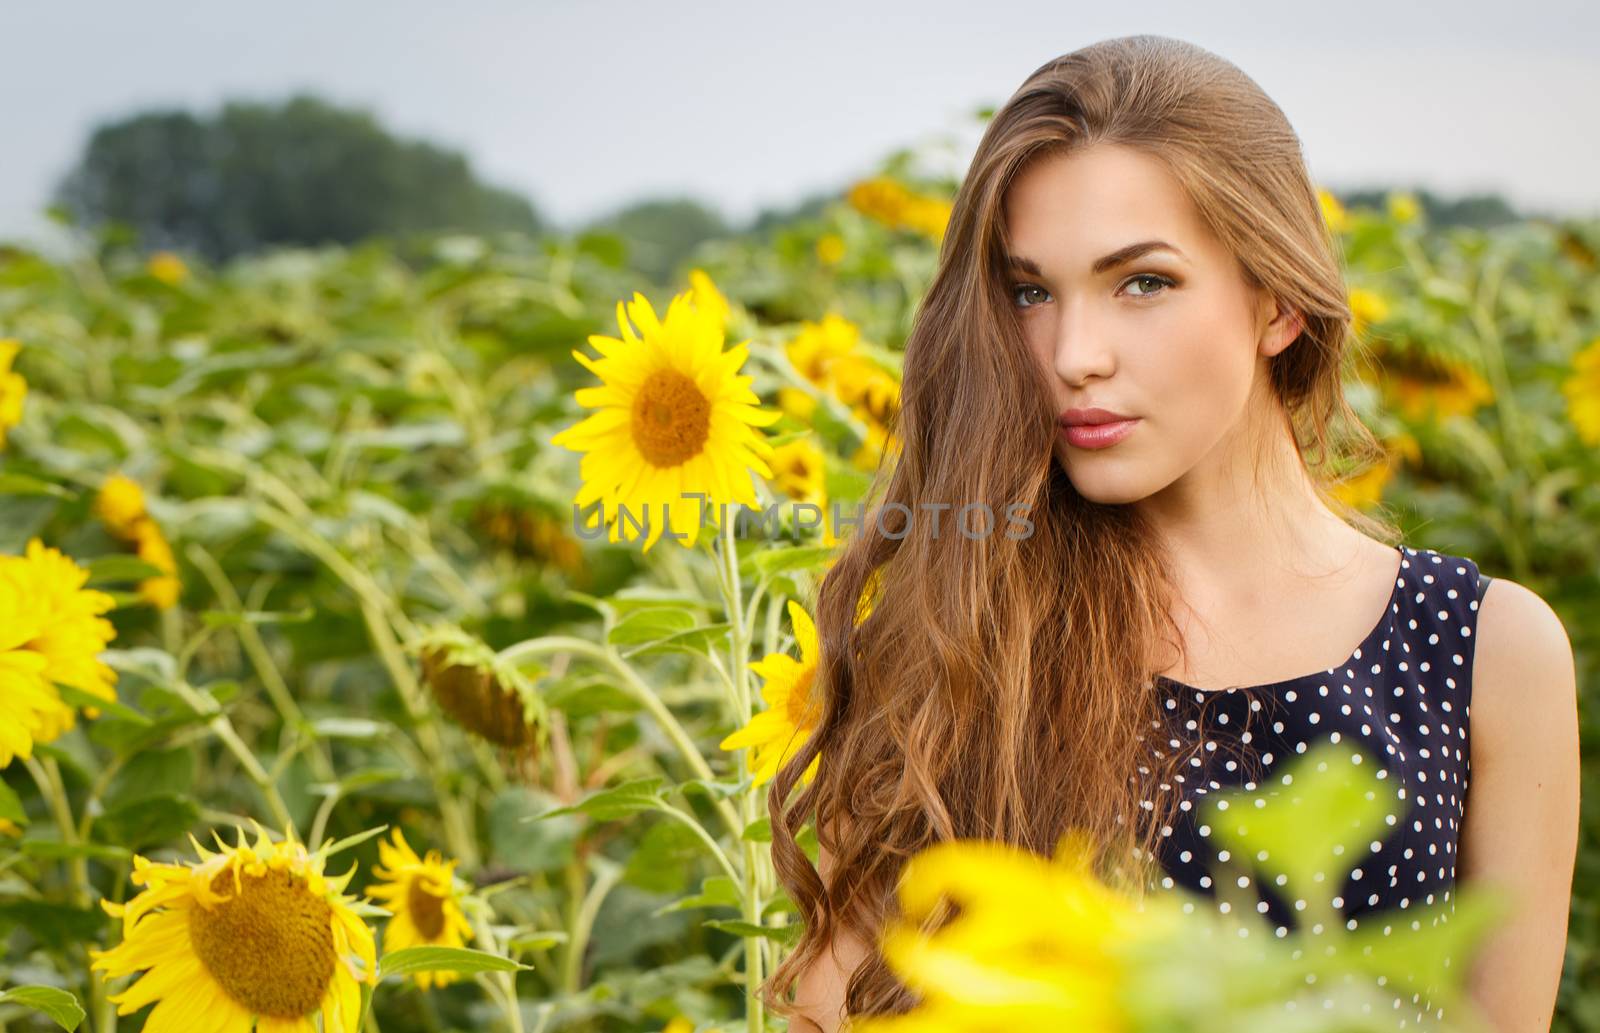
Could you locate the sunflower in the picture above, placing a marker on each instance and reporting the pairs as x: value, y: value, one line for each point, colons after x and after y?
x: 799, y: 472
x: 51, y: 633
x: 487, y: 696
x: 121, y: 508
x: 818, y: 345
x: 13, y: 389
x: 674, y: 417
x: 792, y: 714
x: 119, y: 504
x: 255, y: 936
x: 1333, y: 212
x: 1582, y: 391
x: 167, y: 267
x: 703, y: 292
x: 1039, y: 943
x: 422, y: 897
x: 160, y: 591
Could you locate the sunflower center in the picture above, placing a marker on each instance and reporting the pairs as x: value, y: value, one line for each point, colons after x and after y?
x: 270, y: 945
x: 802, y: 714
x: 671, y: 418
x: 427, y: 909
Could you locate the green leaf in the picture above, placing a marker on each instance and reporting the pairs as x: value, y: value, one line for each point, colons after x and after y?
x: 79, y: 698
x: 784, y: 934
x: 794, y: 557
x: 11, y: 805
x: 151, y: 773
x: 152, y: 820
x: 22, y: 484
x: 661, y: 862
x: 700, y: 641
x: 118, y: 568
x: 713, y: 789
x: 641, y: 794
x: 62, y: 1008
x: 350, y: 841
x: 539, y: 939
x: 650, y: 625
x: 60, y: 926
x: 443, y: 959
x: 1315, y: 827
x: 715, y: 891
x: 760, y: 830
x: 57, y: 850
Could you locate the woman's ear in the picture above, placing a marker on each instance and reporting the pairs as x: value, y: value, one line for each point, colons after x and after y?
x: 1282, y: 329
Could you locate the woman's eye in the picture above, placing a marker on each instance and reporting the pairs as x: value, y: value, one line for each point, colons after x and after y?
x: 1160, y: 281
x: 1021, y: 289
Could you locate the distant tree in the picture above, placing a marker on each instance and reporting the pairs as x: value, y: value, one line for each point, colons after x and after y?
x: 255, y: 175
x: 662, y: 232
x: 809, y: 207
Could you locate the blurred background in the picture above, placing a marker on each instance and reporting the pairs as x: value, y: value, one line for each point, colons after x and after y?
x: 289, y: 296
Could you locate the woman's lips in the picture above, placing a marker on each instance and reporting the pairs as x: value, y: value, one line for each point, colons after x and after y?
x: 1098, y: 435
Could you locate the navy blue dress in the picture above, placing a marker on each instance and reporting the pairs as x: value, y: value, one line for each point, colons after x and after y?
x: 1403, y: 699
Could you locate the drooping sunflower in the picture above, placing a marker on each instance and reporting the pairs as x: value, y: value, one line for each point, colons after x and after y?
x: 51, y: 633
x: 13, y: 389
x: 792, y: 713
x: 674, y: 416
x: 421, y: 894
x: 253, y: 937
x: 483, y: 693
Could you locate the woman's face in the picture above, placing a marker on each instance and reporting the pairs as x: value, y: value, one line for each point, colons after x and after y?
x: 1170, y: 335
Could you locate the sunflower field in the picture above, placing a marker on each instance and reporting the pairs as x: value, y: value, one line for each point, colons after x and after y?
x: 332, y: 696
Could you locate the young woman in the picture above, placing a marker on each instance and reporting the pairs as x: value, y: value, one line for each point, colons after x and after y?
x: 1137, y: 329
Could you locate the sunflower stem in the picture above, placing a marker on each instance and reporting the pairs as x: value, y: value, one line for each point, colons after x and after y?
x: 609, y: 874
x: 261, y: 658
x: 528, y: 649
x: 739, y: 637
x: 224, y: 730
x: 47, y: 774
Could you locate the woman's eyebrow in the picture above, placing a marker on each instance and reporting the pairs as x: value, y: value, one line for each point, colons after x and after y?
x: 1118, y: 257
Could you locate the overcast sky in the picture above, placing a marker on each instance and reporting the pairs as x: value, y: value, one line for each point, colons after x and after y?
x: 585, y: 105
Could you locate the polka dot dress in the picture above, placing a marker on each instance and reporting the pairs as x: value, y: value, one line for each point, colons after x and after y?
x: 1402, y: 699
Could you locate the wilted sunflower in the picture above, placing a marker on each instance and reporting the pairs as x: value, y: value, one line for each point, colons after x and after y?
x: 674, y: 417
x: 255, y: 936
x: 51, y: 633
x: 484, y: 694
x: 792, y: 714
x: 421, y: 895
x: 13, y: 389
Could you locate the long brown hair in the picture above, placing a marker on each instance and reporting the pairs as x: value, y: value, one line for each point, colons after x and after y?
x: 1002, y: 685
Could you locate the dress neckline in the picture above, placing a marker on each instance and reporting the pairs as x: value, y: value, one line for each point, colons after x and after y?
x: 1385, y: 622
